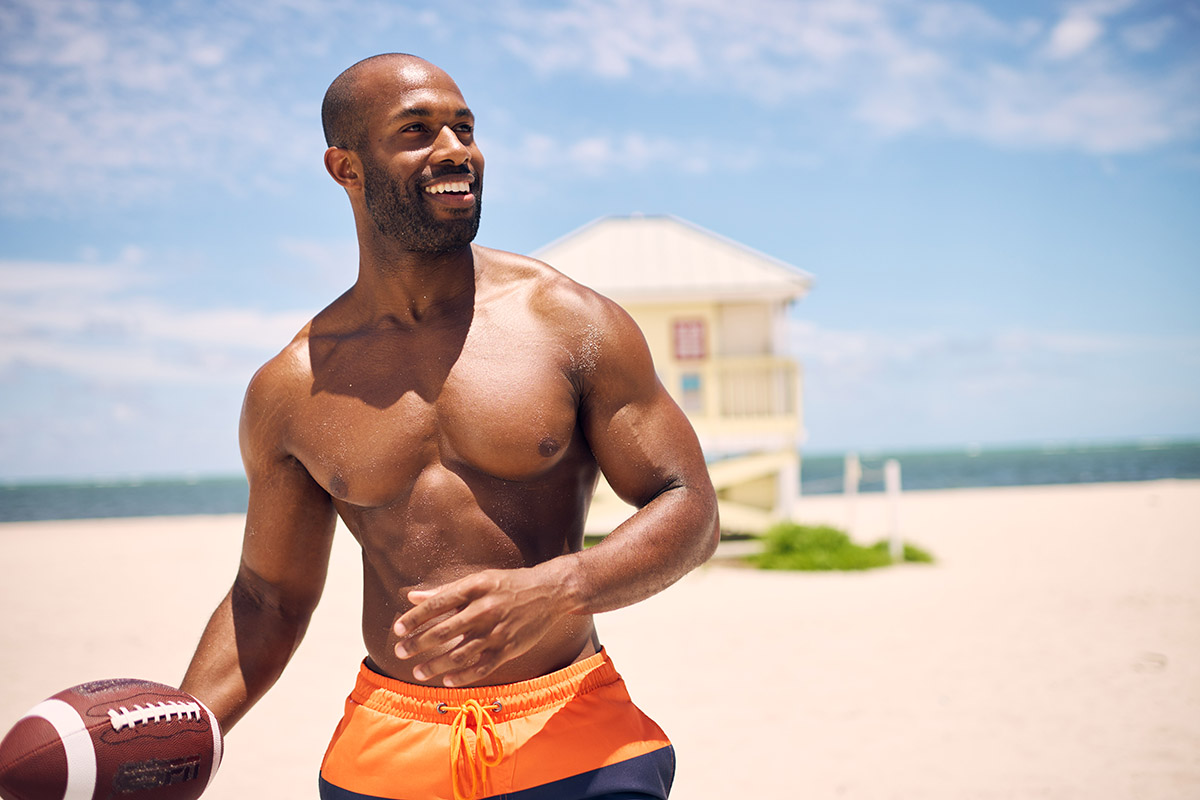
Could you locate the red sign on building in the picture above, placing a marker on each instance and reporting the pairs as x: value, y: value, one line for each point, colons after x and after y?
x: 690, y: 339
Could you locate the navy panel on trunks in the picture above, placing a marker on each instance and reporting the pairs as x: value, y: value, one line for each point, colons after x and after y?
x: 647, y: 777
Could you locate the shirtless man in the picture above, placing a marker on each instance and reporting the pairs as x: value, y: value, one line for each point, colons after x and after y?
x: 455, y: 408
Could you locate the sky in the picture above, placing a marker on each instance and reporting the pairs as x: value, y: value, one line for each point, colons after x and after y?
x: 999, y: 201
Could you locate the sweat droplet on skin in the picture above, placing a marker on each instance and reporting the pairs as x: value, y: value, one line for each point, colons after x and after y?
x: 589, y: 349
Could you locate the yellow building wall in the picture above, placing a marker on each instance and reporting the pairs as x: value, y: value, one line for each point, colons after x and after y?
x: 658, y: 325
x: 767, y: 491
x: 736, y: 395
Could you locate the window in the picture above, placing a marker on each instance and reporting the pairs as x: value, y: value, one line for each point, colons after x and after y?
x: 691, y: 395
x: 690, y: 339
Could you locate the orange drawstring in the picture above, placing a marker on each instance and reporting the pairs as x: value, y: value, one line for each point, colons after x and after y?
x: 476, y: 763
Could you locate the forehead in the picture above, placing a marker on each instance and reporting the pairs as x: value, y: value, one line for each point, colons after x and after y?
x: 412, y: 87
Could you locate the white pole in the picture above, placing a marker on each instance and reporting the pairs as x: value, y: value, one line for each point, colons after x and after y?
x: 851, y: 475
x: 788, y: 486
x: 891, y: 485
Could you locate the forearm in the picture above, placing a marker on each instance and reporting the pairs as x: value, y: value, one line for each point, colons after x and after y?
x: 242, y: 652
x: 664, y: 540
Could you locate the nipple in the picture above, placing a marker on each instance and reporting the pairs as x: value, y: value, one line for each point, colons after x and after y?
x: 548, y: 446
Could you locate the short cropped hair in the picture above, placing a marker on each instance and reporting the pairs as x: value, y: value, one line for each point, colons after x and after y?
x: 342, y: 114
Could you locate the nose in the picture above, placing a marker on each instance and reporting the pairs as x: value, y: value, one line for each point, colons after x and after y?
x: 448, y: 148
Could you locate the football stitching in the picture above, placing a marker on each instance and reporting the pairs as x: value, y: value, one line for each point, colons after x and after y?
x: 153, y: 712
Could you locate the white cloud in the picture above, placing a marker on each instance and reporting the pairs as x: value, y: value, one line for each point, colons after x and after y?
x: 1072, y: 36
x: 770, y: 49
x: 901, y: 67
x: 859, y: 355
x: 602, y: 154
x: 116, y: 101
x: 1148, y: 36
x: 952, y: 21
x: 617, y: 37
x: 1102, y: 115
x: 23, y: 278
x: 331, y: 259
x: 111, y: 101
x: 92, y: 321
x: 609, y: 154
x: 868, y: 388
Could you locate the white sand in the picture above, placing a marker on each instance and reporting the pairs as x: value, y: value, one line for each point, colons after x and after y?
x: 1053, y: 651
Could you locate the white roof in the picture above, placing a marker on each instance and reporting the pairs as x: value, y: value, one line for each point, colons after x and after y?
x: 664, y: 258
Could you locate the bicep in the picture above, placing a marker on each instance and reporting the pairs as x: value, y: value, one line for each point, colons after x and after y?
x: 289, y: 534
x: 290, y: 518
x: 642, y: 440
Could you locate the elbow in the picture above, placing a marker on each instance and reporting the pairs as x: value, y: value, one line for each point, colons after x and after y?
x: 702, y: 520
x: 714, y: 532
x: 267, y: 627
x: 708, y: 527
x: 254, y: 598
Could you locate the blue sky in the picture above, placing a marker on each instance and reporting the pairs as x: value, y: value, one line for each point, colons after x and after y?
x: 1000, y: 201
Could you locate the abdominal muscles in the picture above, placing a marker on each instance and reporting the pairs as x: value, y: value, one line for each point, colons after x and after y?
x: 456, y: 522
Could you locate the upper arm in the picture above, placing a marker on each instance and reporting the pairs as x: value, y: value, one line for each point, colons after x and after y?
x: 642, y: 440
x: 290, y: 519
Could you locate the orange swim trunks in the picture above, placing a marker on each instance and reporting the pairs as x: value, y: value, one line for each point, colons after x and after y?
x: 571, y: 734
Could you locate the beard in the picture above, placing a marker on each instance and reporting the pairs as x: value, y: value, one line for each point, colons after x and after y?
x: 400, y: 212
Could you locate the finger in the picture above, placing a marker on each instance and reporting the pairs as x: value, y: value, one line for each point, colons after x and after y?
x: 490, y: 659
x: 427, y: 653
x: 428, y: 605
x: 418, y: 596
x: 475, y: 620
x: 465, y: 656
x: 488, y: 662
x: 469, y: 676
x: 436, y: 638
x: 414, y: 618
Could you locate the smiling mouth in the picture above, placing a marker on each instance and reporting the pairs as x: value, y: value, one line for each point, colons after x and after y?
x: 457, y: 187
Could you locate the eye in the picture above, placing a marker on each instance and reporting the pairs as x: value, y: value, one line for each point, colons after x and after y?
x: 416, y: 127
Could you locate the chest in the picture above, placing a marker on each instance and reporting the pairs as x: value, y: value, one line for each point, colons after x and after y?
x: 386, y: 412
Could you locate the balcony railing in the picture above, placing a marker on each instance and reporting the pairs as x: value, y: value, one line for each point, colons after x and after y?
x: 760, y: 386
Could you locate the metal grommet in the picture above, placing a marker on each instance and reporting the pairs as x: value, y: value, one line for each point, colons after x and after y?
x: 497, y: 706
x: 441, y: 708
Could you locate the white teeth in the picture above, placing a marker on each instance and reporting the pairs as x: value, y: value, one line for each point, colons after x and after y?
x: 448, y: 187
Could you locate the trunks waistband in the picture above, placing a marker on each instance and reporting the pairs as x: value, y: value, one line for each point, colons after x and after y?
x: 432, y: 703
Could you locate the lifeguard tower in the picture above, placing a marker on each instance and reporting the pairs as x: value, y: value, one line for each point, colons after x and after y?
x: 714, y: 314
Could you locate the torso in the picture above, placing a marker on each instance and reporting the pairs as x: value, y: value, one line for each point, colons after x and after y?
x: 451, y: 448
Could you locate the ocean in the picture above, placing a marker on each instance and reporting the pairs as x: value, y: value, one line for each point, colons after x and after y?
x: 820, y: 474
x: 1028, y: 466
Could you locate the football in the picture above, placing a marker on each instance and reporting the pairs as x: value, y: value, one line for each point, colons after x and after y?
x: 122, y: 738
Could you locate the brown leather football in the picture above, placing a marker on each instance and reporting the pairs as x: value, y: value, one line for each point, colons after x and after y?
x: 121, y: 738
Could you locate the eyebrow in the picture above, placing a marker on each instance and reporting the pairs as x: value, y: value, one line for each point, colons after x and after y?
x: 423, y: 112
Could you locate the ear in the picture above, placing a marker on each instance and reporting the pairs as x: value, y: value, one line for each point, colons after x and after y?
x: 343, y: 166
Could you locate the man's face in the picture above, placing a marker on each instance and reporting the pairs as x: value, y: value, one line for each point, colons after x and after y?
x: 422, y: 172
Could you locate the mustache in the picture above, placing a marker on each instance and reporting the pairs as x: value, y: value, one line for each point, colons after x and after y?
x: 441, y: 172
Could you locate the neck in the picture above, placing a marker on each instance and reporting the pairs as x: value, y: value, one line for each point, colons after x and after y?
x: 410, y: 288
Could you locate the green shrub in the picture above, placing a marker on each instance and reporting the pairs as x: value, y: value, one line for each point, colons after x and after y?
x: 821, y: 547
x: 912, y: 553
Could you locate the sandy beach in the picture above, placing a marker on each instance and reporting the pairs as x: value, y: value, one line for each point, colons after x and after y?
x: 1053, y: 651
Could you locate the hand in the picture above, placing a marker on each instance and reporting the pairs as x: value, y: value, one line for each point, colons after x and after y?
x: 488, y: 618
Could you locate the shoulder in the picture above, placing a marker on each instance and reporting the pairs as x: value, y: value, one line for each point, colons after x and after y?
x: 287, y: 370
x: 275, y: 390
x: 600, y: 336
x: 554, y: 296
